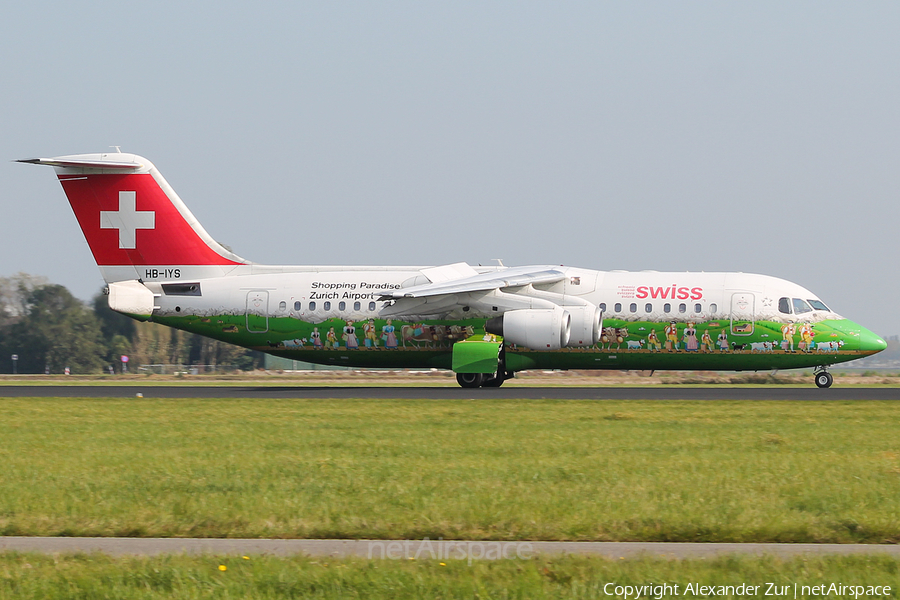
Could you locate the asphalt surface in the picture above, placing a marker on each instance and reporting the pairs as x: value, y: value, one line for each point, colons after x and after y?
x: 656, y: 392
x: 422, y: 549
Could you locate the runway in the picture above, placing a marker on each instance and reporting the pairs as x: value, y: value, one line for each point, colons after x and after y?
x: 656, y: 392
x: 424, y: 549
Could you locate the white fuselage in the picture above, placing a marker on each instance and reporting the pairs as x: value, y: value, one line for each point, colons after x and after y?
x: 315, y: 296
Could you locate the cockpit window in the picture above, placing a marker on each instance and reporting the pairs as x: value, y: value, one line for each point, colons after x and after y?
x: 784, y: 305
x: 801, y: 306
x: 818, y: 305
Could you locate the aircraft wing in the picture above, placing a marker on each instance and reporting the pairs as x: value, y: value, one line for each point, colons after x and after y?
x: 480, y: 282
x: 459, y: 287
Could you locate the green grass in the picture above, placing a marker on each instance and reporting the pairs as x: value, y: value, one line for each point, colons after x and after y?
x: 24, y: 576
x: 462, y: 469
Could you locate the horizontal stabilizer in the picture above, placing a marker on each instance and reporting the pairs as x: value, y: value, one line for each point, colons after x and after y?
x: 88, y: 161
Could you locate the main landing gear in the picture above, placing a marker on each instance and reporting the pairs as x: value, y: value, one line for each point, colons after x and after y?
x: 487, y: 380
x: 470, y: 380
x: 823, y: 377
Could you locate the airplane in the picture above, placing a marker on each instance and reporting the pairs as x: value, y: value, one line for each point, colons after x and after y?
x: 484, y: 323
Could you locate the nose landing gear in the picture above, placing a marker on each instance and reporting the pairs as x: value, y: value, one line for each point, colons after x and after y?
x: 823, y: 378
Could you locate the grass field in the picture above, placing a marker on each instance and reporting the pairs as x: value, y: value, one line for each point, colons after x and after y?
x: 465, y: 469
x: 24, y: 576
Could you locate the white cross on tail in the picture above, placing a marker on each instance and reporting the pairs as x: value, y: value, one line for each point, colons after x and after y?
x: 127, y: 220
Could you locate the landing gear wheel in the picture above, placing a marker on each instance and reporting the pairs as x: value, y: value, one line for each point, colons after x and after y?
x: 494, y: 382
x: 824, y: 379
x: 470, y: 380
x: 498, y: 379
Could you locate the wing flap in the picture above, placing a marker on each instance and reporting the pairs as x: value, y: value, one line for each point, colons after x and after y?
x: 447, y: 273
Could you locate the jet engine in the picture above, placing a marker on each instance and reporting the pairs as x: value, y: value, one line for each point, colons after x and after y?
x: 535, y: 328
x: 586, y: 324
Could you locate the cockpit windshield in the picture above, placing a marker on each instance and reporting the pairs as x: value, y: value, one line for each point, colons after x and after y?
x: 800, y: 307
x: 797, y: 306
x: 818, y: 305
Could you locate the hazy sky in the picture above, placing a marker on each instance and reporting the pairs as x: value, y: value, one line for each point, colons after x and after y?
x: 759, y: 137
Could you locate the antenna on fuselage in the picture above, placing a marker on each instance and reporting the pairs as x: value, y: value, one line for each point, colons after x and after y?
x: 499, y: 261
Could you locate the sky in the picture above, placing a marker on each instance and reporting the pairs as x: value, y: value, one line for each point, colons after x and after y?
x: 759, y: 137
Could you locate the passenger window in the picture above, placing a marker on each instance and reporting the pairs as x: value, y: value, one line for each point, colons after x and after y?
x: 667, y: 308
x: 784, y: 306
x: 342, y: 306
x: 698, y: 308
x: 357, y: 305
x: 713, y: 308
x: 818, y: 305
x: 682, y: 307
x: 618, y: 307
x: 633, y: 307
x: 371, y: 306
x: 603, y: 306
x: 312, y: 306
x: 801, y: 307
x: 648, y: 308
x: 297, y: 305
x: 327, y: 305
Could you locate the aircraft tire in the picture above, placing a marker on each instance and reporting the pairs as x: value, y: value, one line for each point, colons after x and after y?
x: 824, y: 380
x: 470, y: 380
x: 494, y: 382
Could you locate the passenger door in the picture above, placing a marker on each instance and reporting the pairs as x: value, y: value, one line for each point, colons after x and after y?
x: 257, y: 312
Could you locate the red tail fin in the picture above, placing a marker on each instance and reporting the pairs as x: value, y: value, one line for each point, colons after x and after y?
x: 133, y: 220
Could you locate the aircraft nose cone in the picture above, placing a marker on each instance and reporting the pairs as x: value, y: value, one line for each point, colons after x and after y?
x: 870, y: 343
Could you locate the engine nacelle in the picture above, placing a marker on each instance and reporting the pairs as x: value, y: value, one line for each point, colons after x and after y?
x: 535, y: 328
x: 587, y: 321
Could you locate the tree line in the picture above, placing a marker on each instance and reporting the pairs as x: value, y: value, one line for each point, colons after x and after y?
x: 49, y: 330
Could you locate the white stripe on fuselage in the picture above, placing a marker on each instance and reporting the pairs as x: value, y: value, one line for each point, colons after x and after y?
x: 712, y: 293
